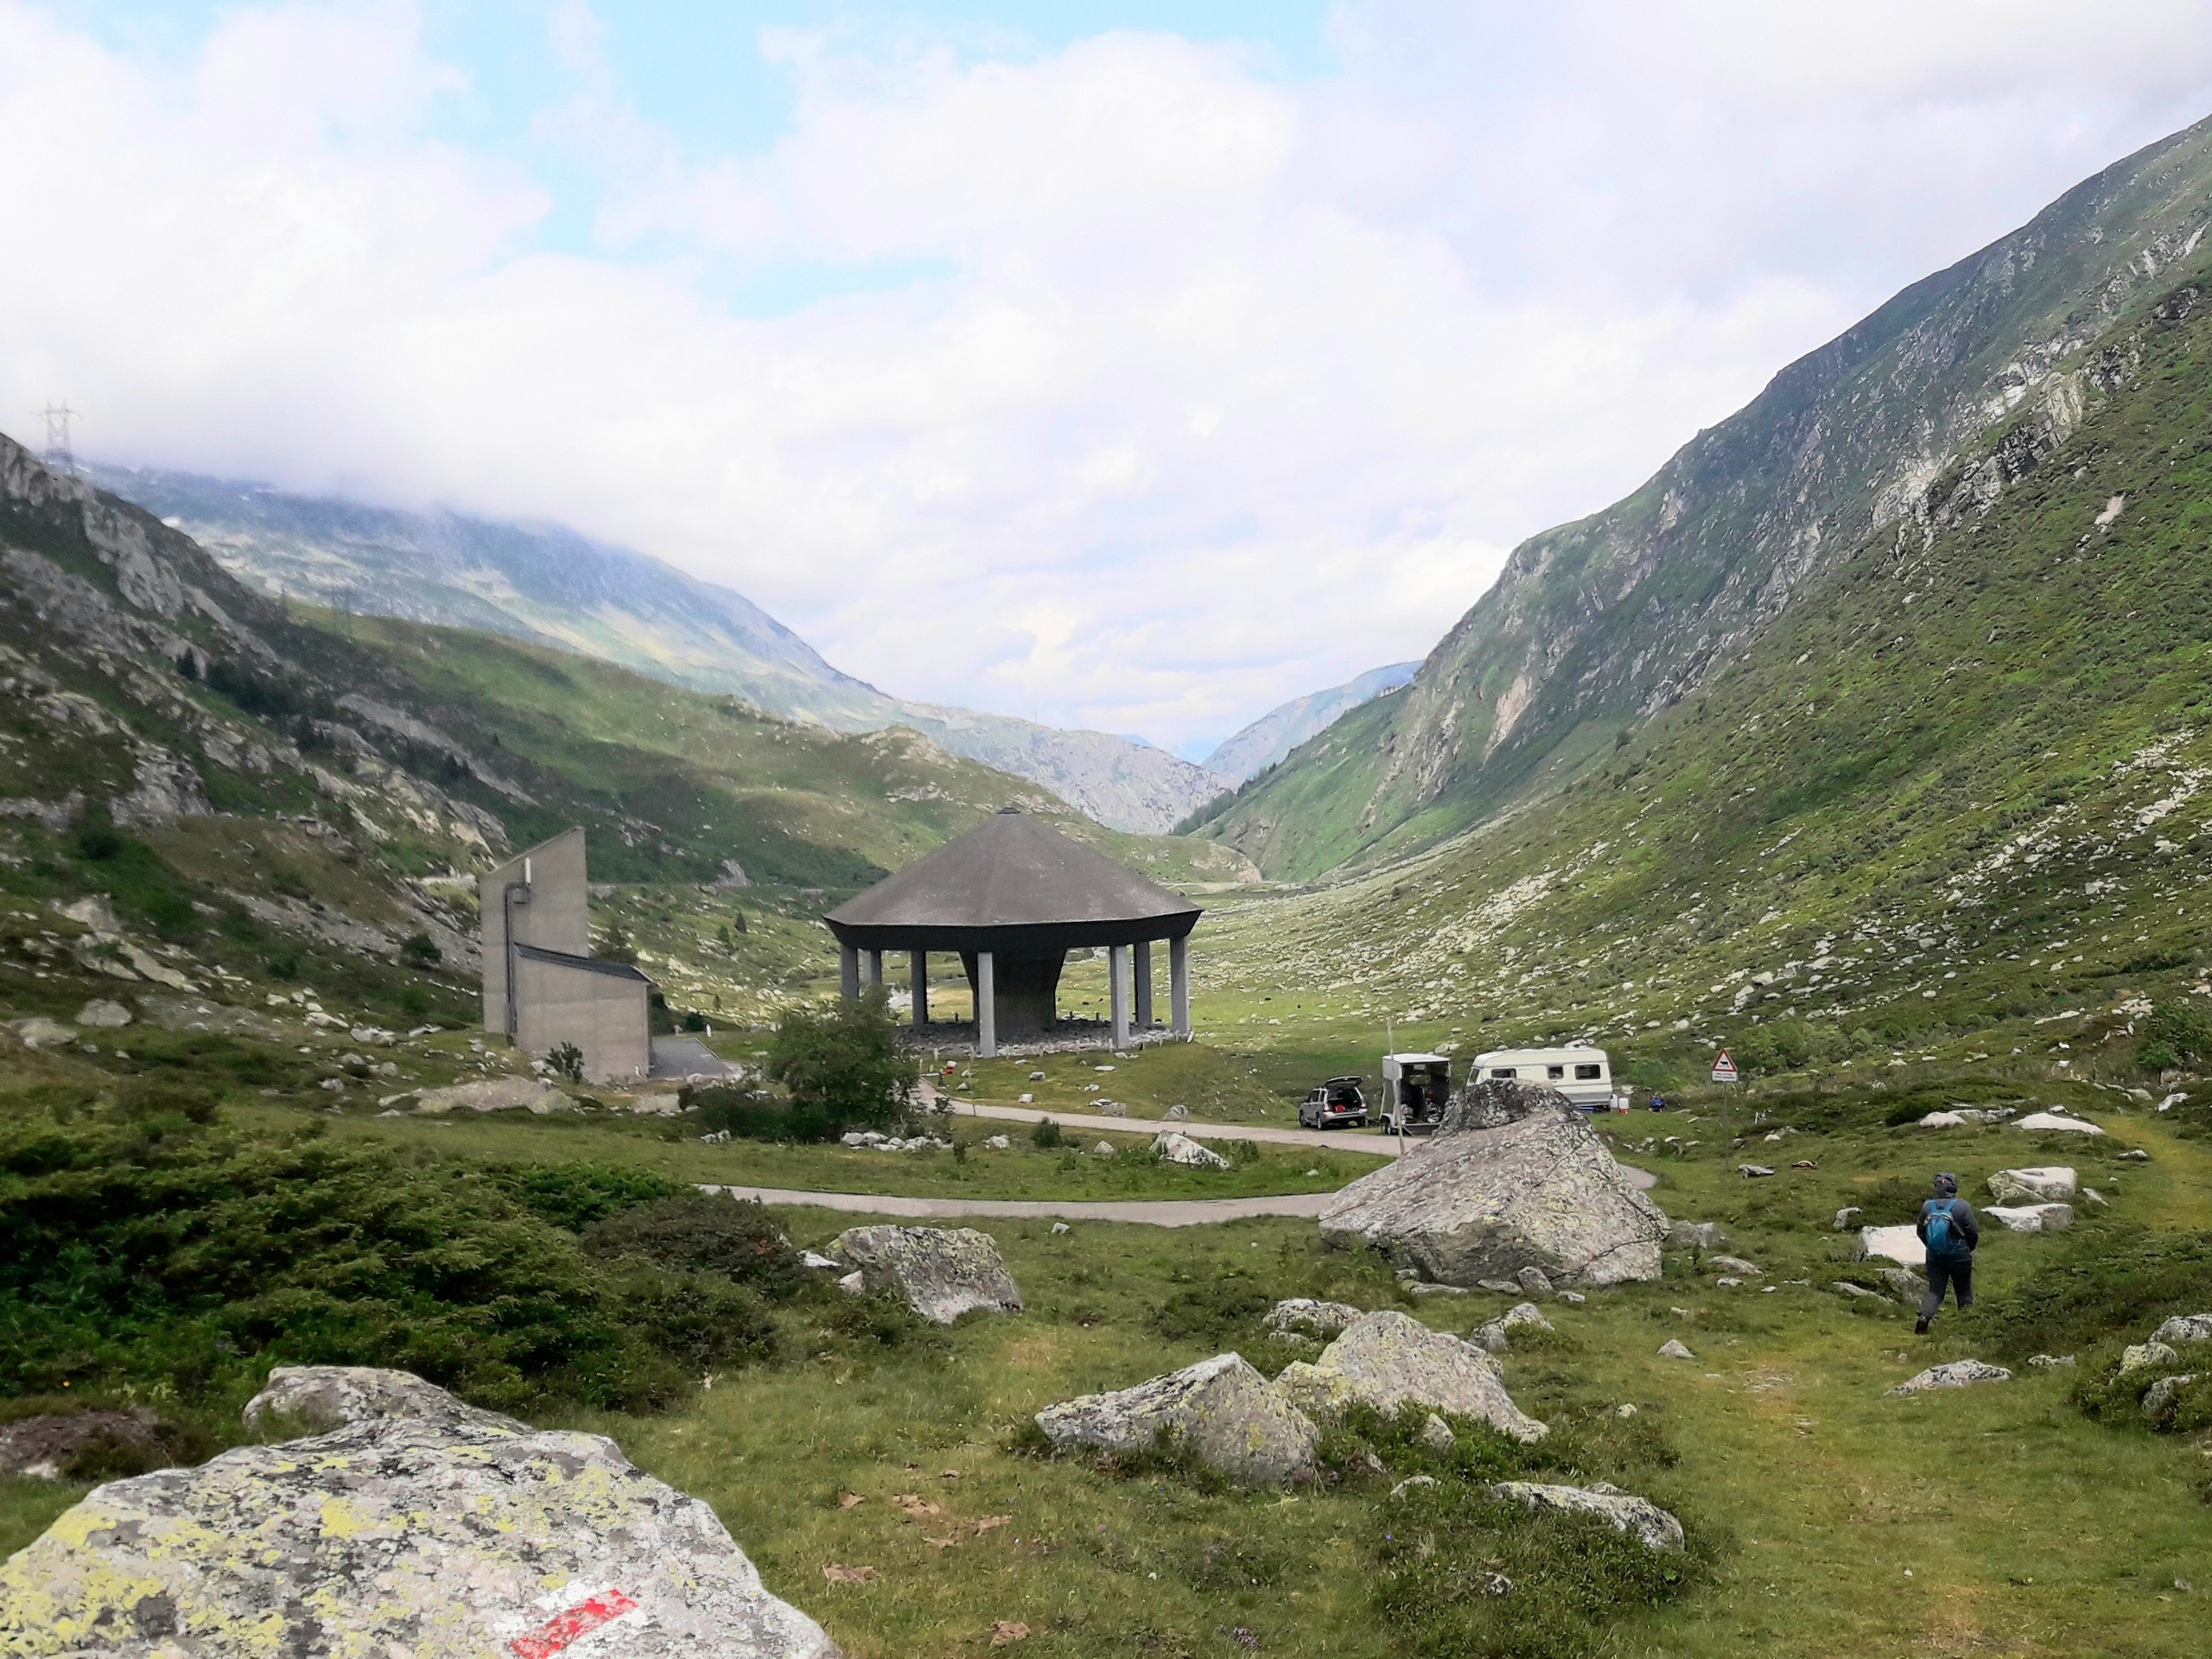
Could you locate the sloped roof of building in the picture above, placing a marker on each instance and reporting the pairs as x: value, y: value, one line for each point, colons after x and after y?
x: 1012, y: 880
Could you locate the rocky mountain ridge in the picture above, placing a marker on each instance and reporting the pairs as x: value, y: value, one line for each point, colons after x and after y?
x: 1597, y: 626
x: 1283, y: 727
x: 548, y: 584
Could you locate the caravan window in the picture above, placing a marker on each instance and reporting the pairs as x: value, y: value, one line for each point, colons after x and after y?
x: 1587, y: 1072
x: 1554, y: 1072
x: 1504, y: 1071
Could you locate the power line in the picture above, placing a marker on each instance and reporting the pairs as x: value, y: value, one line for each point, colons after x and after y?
x: 59, y: 455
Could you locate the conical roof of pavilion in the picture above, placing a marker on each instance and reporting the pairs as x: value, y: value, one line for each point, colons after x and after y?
x: 1013, y: 883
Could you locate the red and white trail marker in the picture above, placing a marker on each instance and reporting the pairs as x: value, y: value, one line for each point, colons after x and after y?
x: 1723, y: 1068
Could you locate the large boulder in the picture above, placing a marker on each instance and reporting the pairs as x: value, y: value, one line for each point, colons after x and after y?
x: 437, y: 1534
x: 315, y: 1398
x: 1386, y: 1360
x: 939, y: 1272
x: 2186, y: 1327
x: 1176, y: 1148
x: 1493, y: 1102
x: 1654, y: 1528
x: 1540, y: 1191
x: 1219, y: 1410
x: 2037, y: 1185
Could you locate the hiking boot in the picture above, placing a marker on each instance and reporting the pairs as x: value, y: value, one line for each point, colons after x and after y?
x: 1920, y: 1326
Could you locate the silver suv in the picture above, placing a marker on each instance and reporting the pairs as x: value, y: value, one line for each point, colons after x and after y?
x: 1337, y: 1104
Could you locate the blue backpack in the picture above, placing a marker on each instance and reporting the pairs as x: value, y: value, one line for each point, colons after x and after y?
x: 1942, y: 1236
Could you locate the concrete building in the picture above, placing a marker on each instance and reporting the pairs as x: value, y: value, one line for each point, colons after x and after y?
x: 542, y: 985
x: 1012, y: 897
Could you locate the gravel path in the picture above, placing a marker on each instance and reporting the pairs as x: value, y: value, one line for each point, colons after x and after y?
x: 1382, y: 1145
x: 1154, y: 1212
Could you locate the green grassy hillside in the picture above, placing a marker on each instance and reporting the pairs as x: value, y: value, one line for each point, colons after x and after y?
x: 1597, y: 626
x: 1949, y: 803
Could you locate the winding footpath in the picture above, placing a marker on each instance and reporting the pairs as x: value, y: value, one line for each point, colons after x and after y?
x: 1151, y: 1212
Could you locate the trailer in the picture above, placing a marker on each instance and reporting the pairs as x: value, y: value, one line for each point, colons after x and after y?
x: 1416, y: 1088
x: 1584, y: 1075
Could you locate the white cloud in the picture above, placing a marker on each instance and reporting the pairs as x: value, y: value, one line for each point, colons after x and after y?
x: 1172, y: 387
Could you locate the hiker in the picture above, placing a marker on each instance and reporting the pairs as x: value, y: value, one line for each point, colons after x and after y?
x: 1947, y: 1227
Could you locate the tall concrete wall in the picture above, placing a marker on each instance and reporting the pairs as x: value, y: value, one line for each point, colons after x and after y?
x: 603, y: 1013
x: 556, y: 917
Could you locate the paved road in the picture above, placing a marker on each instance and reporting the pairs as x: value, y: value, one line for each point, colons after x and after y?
x: 1155, y: 1212
x: 1382, y: 1145
x: 687, y: 1057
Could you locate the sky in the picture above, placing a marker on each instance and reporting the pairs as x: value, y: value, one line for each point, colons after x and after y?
x: 1113, y: 363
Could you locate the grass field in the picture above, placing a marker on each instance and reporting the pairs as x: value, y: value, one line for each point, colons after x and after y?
x: 1839, y: 1520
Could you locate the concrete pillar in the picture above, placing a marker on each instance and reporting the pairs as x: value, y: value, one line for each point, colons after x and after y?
x: 849, y: 973
x: 917, y: 978
x: 1179, y: 984
x: 874, y: 969
x: 986, y: 1005
x: 1141, y: 962
x: 1118, y: 976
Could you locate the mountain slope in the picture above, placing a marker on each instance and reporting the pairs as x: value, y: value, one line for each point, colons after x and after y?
x: 1598, y: 625
x: 1952, y: 804
x: 548, y: 584
x: 1283, y: 727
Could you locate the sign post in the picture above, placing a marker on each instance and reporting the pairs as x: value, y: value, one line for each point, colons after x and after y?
x: 1724, y: 1071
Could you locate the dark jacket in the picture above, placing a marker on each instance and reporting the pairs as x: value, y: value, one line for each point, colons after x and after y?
x: 1964, y: 1229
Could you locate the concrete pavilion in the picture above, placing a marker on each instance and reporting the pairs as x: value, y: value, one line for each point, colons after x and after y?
x: 1013, y: 897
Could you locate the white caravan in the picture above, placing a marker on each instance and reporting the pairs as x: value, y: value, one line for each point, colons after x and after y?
x: 1583, y: 1075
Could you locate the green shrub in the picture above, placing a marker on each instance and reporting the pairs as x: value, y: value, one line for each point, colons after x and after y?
x: 694, y: 1231
x: 2104, y: 1280
x: 2176, y: 1034
x: 421, y: 950
x: 1210, y: 1311
x: 754, y: 1114
x: 576, y: 1196
x: 133, y: 1252
x: 1461, y: 1571
x: 1045, y: 1134
x: 843, y: 1066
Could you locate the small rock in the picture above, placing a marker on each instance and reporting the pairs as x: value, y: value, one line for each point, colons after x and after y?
x: 1904, y: 1284
x: 1726, y: 1282
x: 105, y: 1014
x: 2186, y: 1327
x: 1653, y: 1528
x: 1535, y: 1280
x: 1575, y: 1297
x: 998, y: 1143
x: 2158, y: 1399
x: 1225, y: 1413
x: 38, y: 1031
x: 1423, y: 1288
x: 493, y: 1095
x: 2143, y: 1356
x: 1061, y: 1227
x: 1178, y: 1113
x: 1959, y: 1374
x: 2137, y: 1155
x: 1026, y: 1100
x: 1104, y: 1150
x: 1303, y: 1316
x: 853, y: 1284
x: 1845, y: 1287
x: 1624, y: 1410
x: 1735, y: 1264
x: 1847, y: 1217
x: 2033, y: 1217
x: 1496, y: 1335
x: 1413, y: 1481
x: 940, y: 1272
x: 1698, y: 1235
x: 2046, y: 1123
x: 2037, y: 1186
x: 819, y: 1263
x: 1502, y: 1286
x: 1753, y: 1171
x: 1436, y: 1434
x: 1109, y: 1108
x: 2050, y: 1362
x: 1673, y: 1349
x: 1176, y: 1148
x: 1036, y: 1077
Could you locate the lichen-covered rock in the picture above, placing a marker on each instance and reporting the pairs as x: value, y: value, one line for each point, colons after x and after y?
x: 2147, y: 1356
x: 1496, y: 1336
x: 1176, y: 1148
x: 1387, y: 1360
x: 1303, y: 1316
x: 1485, y: 1203
x: 2035, y: 1185
x: 437, y: 1535
x: 2186, y: 1327
x: 1219, y: 1410
x: 1653, y: 1528
x: 1959, y: 1374
x: 315, y: 1398
x: 493, y: 1095
x: 2161, y: 1398
x: 939, y: 1272
x: 1493, y: 1102
x: 1673, y: 1348
x: 1698, y: 1235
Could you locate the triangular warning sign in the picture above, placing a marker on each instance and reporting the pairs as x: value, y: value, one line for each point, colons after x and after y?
x: 1723, y: 1068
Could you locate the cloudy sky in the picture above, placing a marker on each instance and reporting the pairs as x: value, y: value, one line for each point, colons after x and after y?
x: 1115, y: 363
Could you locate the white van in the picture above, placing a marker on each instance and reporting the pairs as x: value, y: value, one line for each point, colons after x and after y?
x: 1583, y: 1075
